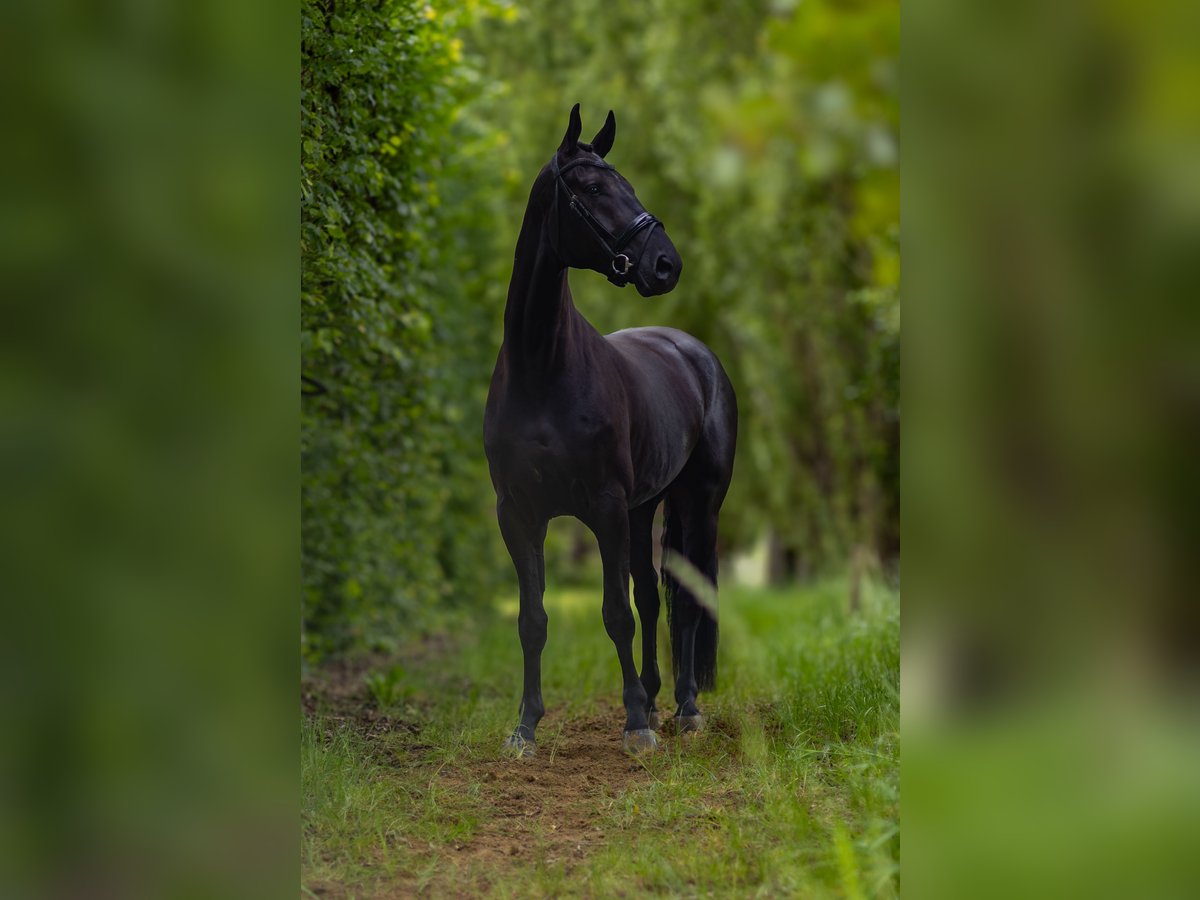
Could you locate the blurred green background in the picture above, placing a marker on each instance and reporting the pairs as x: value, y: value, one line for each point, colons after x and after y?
x: 765, y: 136
x: 148, y: 388
x: 1051, y: 630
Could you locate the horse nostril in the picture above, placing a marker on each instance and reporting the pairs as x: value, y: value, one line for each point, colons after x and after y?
x: 664, y: 268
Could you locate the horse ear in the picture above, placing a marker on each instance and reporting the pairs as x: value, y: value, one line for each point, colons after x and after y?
x: 574, y: 127
x: 604, y: 138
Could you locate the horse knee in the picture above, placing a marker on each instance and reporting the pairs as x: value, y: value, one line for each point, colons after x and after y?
x: 531, y: 626
x: 618, y: 621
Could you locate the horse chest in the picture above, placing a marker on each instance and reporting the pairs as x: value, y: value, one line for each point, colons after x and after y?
x: 554, y: 462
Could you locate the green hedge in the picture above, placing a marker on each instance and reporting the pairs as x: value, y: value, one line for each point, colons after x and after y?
x: 392, y: 481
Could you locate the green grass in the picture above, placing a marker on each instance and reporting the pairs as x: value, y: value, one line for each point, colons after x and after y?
x: 792, y: 790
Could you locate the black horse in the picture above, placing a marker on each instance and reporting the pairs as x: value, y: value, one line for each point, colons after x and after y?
x: 604, y: 428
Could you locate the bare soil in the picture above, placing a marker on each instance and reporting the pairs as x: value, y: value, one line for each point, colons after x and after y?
x: 541, y: 809
x: 547, y: 805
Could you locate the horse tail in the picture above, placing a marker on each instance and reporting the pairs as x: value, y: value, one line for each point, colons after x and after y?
x: 707, y: 632
x: 672, y: 544
x: 699, y: 563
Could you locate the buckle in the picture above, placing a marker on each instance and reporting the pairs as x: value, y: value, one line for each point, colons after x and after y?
x: 617, y: 269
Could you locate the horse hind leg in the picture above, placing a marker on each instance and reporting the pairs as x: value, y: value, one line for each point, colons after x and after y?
x: 693, y: 504
x: 645, y: 596
x: 690, y: 546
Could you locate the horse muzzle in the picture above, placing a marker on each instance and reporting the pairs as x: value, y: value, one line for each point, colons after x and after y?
x: 662, y: 274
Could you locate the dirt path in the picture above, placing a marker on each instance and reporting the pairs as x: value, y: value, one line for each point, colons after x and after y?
x: 547, y: 807
x: 541, y: 810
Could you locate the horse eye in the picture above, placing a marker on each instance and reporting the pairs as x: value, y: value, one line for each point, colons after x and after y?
x: 593, y: 188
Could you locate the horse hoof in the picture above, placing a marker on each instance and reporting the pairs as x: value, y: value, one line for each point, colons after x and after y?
x: 641, y: 741
x: 517, y: 747
x: 685, y: 724
x: 654, y: 720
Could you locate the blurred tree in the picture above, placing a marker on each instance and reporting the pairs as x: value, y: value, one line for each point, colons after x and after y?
x: 765, y: 136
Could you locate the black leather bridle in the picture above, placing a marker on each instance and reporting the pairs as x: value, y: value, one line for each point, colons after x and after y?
x: 614, y: 245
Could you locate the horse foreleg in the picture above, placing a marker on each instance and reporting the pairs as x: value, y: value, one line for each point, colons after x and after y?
x: 645, y: 597
x: 526, y: 540
x: 611, y: 525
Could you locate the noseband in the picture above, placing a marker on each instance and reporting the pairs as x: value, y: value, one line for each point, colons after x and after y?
x: 614, y: 245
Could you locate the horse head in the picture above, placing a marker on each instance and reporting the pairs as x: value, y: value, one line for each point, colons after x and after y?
x: 597, y: 221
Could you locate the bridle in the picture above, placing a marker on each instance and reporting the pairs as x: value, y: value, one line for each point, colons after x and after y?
x: 614, y: 245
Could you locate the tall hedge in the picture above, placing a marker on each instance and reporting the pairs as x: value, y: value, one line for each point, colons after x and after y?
x: 392, y: 480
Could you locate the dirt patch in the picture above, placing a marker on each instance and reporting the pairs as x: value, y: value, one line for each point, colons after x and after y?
x: 339, y: 695
x: 546, y: 808
x: 540, y: 810
x: 337, y: 689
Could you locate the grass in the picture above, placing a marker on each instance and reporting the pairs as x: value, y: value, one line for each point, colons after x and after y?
x: 793, y: 790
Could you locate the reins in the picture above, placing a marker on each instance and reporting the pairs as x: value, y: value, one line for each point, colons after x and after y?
x: 613, y: 245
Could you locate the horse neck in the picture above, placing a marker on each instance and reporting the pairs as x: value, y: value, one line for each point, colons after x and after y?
x: 540, y: 321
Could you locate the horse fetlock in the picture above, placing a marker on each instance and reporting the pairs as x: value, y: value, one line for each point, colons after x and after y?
x: 637, y: 705
x: 685, y: 698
